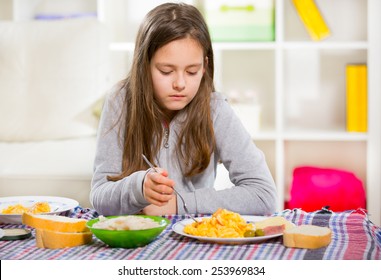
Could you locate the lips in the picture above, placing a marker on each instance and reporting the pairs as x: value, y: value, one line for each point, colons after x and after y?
x: 177, y: 97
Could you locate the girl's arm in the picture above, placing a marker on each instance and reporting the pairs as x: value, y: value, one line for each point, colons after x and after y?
x: 107, y: 197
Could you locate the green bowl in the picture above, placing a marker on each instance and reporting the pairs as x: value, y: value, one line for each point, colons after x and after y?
x: 128, y: 238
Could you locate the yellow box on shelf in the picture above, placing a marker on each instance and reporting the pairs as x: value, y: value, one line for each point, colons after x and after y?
x: 240, y: 20
x: 356, y: 98
x: 312, y: 19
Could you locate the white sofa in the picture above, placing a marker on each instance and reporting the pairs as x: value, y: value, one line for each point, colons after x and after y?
x: 54, y: 168
x: 52, y: 75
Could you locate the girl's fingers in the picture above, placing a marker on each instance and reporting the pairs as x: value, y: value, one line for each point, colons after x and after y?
x: 159, y: 179
x: 161, y: 190
x: 158, y: 189
x: 157, y: 198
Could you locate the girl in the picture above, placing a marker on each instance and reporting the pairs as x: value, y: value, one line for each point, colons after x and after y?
x: 167, y: 110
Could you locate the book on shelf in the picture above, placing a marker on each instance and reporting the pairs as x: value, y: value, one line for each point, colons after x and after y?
x: 356, y: 98
x: 312, y: 19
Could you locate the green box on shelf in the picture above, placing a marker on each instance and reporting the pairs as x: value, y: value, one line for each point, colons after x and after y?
x: 240, y: 20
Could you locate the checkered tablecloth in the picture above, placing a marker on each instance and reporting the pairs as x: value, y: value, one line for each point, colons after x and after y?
x: 354, y: 237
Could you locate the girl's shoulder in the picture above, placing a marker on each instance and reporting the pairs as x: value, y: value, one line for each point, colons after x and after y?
x: 117, y: 93
x: 219, y: 102
x: 218, y: 97
x: 114, y: 98
x: 117, y: 90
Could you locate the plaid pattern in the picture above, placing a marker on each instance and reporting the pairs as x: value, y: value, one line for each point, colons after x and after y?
x: 354, y: 237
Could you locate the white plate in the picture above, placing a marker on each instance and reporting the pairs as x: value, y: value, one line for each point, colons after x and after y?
x: 179, y: 229
x: 57, y: 204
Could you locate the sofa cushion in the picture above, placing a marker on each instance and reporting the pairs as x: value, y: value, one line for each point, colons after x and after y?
x: 51, y: 75
x: 57, y: 168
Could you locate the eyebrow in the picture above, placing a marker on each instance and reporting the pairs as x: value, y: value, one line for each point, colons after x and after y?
x: 171, y: 65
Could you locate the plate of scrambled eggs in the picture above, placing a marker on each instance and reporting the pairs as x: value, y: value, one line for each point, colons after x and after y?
x: 224, y: 227
x: 12, y: 208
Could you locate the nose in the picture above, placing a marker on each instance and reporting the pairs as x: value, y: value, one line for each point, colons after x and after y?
x: 179, y: 82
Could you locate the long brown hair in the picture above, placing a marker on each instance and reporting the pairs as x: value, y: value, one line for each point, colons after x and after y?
x: 142, y: 128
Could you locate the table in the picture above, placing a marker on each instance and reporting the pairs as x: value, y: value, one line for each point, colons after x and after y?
x: 354, y: 237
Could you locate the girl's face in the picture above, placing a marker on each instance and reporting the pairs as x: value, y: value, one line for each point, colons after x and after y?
x: 177, y: 69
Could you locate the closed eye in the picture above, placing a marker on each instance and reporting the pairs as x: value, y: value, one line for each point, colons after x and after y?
x: 165, y: 72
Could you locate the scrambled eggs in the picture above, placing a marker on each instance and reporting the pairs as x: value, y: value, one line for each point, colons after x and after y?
x: 38, y: 207
x: 222, y: 224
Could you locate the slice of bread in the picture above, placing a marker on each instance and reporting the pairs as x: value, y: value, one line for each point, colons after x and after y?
x: 57, y: 240
x: 55, y: 232
x: 274, y: 221
x: 55, y: 223
x: 307, y: 237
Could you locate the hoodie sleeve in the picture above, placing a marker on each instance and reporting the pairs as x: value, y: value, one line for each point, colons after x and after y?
x: 107, y: 197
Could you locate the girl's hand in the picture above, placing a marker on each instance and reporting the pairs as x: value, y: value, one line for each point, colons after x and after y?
x: 157, y: 187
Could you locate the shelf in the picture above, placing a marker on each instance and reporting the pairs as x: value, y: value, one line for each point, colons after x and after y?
x: 355, y: 45
x: 310, y: 136
x: 325, y: 136
x: 221, y: 46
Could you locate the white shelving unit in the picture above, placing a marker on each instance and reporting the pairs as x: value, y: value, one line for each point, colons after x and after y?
x: 300, y: 84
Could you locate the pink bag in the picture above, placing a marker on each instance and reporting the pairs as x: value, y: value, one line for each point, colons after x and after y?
x: 313, y: 188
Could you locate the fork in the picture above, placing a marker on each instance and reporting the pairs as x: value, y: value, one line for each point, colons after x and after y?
x: 182, y: 199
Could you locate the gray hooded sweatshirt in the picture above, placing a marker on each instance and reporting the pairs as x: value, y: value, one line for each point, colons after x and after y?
x: 253, y: 193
